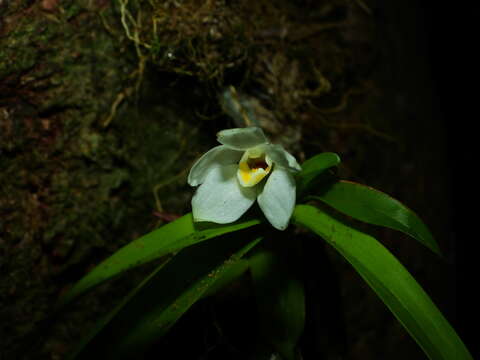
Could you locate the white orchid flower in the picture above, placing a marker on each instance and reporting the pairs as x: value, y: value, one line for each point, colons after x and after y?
x: 244, y: 168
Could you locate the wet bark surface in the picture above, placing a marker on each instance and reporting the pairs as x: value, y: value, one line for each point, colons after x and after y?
x: 104, y: 105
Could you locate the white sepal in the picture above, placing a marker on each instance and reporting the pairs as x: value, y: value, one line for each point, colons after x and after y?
x: 220, y: 198
x: 277, y: 199
x: 242, y: 138
x: 218, y: 156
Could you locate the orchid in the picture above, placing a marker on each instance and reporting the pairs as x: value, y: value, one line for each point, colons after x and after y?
x: 230, y: 177
x: 245, y: 168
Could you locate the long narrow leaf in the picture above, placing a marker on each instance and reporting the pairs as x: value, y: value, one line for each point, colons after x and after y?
x: 153, y: 307
x: 88, y: 342
x: 165, y: 240
x: 375, y: 207
x: 229, y: 275
x: 314, y: 167
x: 391, y: 281
x: 280, y: 295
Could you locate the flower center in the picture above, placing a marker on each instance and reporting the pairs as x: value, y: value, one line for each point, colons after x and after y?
x: 252, y: 168
x: 257, y: 163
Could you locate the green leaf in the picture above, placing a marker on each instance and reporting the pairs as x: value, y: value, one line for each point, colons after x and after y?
x: 314, y: 167
x: 391, y: 281
x: 149, y: 311
x: 168, y: 239
x: 228, y: 276
x: 279, y: 294
x: 375, y: 207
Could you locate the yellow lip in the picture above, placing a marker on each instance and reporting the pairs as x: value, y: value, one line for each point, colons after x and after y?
x: 251, y: 170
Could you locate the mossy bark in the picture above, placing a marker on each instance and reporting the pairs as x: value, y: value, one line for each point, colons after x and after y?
x: 104, y: 105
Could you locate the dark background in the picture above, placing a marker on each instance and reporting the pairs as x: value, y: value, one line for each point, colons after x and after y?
x: 450, y: 38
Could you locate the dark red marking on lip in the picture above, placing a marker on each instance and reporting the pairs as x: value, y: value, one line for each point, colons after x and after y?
x: 257, y: 163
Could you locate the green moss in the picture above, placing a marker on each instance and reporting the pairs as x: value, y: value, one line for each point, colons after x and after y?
x: 70, y: 187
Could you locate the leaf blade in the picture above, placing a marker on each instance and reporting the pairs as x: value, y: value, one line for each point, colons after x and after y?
x: 313, y: 167
x: 168, y: 239
x: 280, y: 294
x: 228, y: 277
x: 150, y: 310
x: 391, y: 281
x: 372, y: 206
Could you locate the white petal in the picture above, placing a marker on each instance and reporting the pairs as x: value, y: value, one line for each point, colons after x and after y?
x: 218, y: 156
x: 220, y: 198
x: 281, y: 157
x: 242, y: 138
x: 277, y: 198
